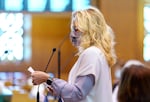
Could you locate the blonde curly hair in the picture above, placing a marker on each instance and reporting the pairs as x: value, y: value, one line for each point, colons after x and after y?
x: 95, y: 32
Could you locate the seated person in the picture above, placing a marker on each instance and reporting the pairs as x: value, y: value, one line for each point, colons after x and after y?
x: 126, y: 65
x: 134, y: 85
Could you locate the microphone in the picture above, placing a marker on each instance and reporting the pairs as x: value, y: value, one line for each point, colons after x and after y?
x: 50, y: 58
x: 4, y: 54
x: 54, y: 49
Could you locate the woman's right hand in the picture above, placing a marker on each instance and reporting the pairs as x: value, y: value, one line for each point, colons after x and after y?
x: 39, y: 77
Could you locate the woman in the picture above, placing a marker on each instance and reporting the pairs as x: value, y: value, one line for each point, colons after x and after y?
x: 134, y: 84
x: 90, y: 77
x: 119, y: 72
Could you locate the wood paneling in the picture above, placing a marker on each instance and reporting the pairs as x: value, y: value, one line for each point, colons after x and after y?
x: 125, y: 17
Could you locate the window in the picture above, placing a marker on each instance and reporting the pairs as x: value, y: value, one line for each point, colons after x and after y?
x: 147, y: 33
x: 59, y: 5
x: 80, y: 4
x: 11, y: 6
x: 44, y: 5
x: 34, y: 6
x: 12, y: 38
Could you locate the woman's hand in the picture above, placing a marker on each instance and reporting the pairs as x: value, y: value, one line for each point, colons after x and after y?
x: 39, y: 77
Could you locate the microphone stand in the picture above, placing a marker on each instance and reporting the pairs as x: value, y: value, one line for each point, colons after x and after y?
x: 59, y: 55
x: 6, y: 52
x: 59, y: 63
x: 49, y: 60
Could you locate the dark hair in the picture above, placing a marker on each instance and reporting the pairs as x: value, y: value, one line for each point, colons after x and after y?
x: 134, y: 85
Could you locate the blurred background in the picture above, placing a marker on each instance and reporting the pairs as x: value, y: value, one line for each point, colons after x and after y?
x: 30, y: 29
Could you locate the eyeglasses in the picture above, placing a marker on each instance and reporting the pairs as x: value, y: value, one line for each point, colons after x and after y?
x: 75, y: 33
x: 75, y: 29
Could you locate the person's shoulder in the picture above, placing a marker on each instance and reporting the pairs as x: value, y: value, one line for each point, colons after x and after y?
x: 92, y: 49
